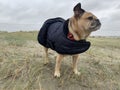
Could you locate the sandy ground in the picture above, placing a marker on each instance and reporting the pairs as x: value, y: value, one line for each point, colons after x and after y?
x: 22, y: 65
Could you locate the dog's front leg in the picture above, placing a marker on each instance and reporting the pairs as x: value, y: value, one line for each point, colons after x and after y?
x: 58, y: 64
x: 75, y: 59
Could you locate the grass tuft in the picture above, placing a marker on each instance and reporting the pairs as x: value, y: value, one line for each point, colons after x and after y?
x: 22, y: 65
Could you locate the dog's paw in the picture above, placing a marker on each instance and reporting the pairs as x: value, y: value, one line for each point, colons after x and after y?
x: 46, y: 62
x: 77, y: 73
x: 57, y: 74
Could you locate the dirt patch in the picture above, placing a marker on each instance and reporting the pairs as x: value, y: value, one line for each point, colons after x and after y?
x: 22, y: 68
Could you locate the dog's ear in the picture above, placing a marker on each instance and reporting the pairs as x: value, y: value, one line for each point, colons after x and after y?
x: 78, y: 11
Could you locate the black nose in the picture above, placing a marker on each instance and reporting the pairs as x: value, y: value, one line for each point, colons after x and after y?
x: 98, y: 22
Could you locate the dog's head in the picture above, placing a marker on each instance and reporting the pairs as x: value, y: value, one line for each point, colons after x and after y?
x: 86, y: 20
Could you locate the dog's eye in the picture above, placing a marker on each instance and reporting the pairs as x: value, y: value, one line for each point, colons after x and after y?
x: 90, y: 18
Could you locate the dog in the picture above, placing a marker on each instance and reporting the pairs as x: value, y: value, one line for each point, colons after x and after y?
x: 72, y: 39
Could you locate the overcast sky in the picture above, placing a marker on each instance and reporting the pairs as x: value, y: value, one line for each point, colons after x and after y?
x: 23, y: 13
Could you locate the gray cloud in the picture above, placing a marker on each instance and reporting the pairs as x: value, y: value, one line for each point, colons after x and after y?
x: 37, y: 11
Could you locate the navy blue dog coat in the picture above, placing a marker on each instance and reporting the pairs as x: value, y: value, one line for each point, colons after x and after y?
x: 53, y: 34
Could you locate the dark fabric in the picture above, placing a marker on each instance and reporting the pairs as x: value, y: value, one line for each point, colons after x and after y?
x: 53, y: 34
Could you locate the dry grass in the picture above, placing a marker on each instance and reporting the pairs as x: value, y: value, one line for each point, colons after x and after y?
x: 22, y: 68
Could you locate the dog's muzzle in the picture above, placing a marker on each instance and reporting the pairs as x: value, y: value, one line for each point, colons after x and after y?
x: 96, y: 24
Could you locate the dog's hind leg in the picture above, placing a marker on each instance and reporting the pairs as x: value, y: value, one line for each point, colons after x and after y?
x: 46, y: 56
x: 75, y: 59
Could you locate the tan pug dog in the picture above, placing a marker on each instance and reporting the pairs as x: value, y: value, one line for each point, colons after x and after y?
x: 81, y: 24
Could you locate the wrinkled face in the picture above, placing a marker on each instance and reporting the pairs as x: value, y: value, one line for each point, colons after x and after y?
x: 89, y: 22
x: 86, y: 20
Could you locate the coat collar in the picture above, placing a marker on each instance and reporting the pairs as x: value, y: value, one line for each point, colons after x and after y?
x: 67, y: 33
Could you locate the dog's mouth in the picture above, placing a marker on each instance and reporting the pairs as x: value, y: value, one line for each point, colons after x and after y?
x: 95, y: 25
x: 95, y: 28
